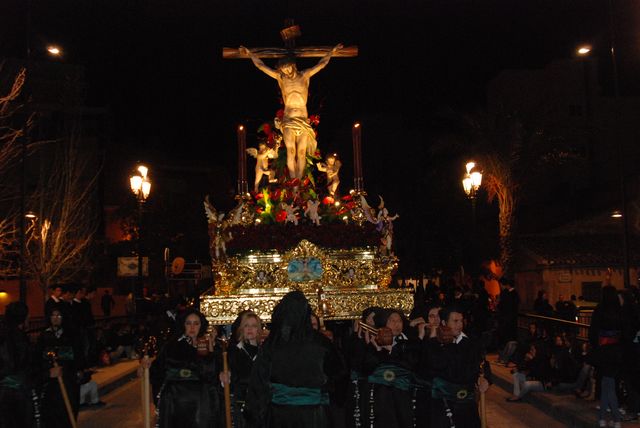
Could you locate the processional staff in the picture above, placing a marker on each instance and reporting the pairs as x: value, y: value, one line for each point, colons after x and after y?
x: 63, y: 390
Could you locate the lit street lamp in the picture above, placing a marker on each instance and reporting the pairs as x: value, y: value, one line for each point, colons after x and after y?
x: 141, y: 187
x: 471, y: 183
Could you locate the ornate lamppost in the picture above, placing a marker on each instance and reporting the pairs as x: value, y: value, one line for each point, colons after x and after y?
x: 471, y: 183
x: 141, y: 188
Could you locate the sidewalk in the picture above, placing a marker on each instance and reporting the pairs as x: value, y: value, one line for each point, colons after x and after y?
x: 113, y: 376
x: 564, y: 407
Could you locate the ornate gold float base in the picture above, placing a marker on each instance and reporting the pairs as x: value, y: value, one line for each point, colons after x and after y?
x: 345, y: 304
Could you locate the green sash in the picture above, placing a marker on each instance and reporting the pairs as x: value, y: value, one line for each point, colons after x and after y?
x: 298, y: 396
x: 452, y: 391
x: 13, y: 381
x: 394, y: 376
x: 175, y: 374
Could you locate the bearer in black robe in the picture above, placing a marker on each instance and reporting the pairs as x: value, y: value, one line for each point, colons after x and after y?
x: 392, y: 378
x: 454, y: 360
x: 242, y: 353
x: 357, y: 406
x: 290, y: 377
x: 59, y: 345
x: 16, y: 370
x: 183, y: 376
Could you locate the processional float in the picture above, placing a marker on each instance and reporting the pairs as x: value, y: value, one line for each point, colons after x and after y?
x: 294, y: 230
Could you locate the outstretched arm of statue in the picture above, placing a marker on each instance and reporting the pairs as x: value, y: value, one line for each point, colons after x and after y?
x: 258, y: 62
x: 323, y: 62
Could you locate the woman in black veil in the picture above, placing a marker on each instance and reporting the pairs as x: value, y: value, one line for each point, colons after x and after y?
x: 291, y: 376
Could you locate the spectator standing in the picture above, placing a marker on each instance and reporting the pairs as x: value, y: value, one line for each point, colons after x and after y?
x: 605, y: 337
x: 541, y: 305
x: 107, y: 303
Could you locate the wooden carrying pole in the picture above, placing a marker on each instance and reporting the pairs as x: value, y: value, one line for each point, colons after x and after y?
x: 227, y: 389
x: 146, y: 407
x: 65, y: 397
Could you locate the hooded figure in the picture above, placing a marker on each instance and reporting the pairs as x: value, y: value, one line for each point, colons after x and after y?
x: 292, y: 375
x: 16, y: 370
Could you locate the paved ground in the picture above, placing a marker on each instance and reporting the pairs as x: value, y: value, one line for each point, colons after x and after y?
x: 502, y: 414
x: 123, y: 411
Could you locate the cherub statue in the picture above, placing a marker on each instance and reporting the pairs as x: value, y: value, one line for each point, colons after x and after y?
x: 218, y: 233
x: 312, y: 211
x: 262, y: 154
x: 331, y: 168
x: 291, y: 213
x: 385, y: 226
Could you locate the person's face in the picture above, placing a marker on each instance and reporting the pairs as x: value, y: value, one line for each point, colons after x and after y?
x: 192, y: 326
x: 56, y: 292
x: 560, y: 298
x: 331, y: 161
x: 532, y: 328
x: 441, y: 296
x: 558, y: 341
x: 455, y: 323
x: 56, y: 318
x: 314, y: 323
x: 394, y: 323
x: 369, y: 320
x: 250, y: 329
x: 434, y: 317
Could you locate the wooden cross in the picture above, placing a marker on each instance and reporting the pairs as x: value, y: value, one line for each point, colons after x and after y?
x: 289, y: 34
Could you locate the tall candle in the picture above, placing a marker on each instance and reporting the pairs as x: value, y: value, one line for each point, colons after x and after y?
x: 357, y: 156
x: 242, y: 160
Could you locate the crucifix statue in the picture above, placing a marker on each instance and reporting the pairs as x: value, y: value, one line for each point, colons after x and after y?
x: 299, y: 137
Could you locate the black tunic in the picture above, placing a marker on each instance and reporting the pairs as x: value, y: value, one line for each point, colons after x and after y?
x: 458, y: 364
x: 312, y: 364
x: 184, y: 384
x: 393, y: 407
x: 241, y: 359
x: 67, y: 346
x: 16, y: 377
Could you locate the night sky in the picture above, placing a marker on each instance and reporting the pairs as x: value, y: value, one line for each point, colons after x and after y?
x: 156, y: 66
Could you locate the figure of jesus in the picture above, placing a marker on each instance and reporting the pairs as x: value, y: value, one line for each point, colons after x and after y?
x: 298, y: 135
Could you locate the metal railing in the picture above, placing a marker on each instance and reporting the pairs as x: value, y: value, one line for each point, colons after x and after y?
x: 580, y: 327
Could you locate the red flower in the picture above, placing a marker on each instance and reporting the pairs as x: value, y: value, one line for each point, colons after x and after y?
x: 259, y: 210
x: 266, y: 128
x: 350, y: 205
x: 314, y: 119
x: 259, y: 196
x: 281, y: 216
x: 280, y: 114
x: 328, y: 200
x: 276, y: 195
x: 346, y: 198
x: 306, y: 182
x: 317, y: 153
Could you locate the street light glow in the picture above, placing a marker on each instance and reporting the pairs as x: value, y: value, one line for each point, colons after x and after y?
x: 470, y: 166
x: 136, y: 183
x: 616, y: 214
x: 54, y: 50
x: 584, y: 50
x: 143, y: 170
